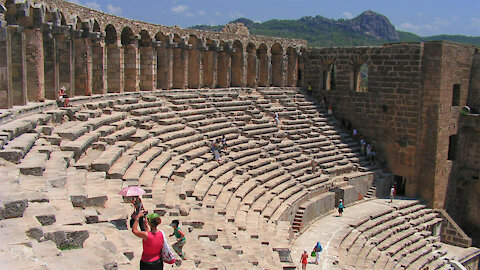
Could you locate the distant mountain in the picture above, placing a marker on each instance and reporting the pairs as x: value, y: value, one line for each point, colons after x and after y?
x: 368, y: 28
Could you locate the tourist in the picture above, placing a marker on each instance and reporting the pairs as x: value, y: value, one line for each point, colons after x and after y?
x: 178, y: 246
x: 314, y: 166
x: 340, y: 208
x: 369, y: 151
x: 363, y: 146
x: 63, y: 97
x: 317, y: 249
x: 137, y: 207
x: 224, y: 142
x: 310, y: 89
x: 330, y: 110
x: 216, y: 149
x: 303, y: 260
x: 277, y: 121
x: 355, y: 133
x: 392, y: 194
x: 152, y: 240
x: 324, y: 103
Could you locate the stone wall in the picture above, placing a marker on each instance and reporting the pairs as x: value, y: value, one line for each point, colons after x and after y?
x: 386, y: 114
x: 451, y: 233
x: 409, y: 109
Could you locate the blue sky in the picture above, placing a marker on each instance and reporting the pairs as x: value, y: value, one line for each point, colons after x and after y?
x: 423, y: 17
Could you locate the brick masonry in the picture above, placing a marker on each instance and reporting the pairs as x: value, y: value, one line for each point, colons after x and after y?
x: 408, y: 114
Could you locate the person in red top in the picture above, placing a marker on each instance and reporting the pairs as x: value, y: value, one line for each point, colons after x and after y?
x: 304, y: 259
x: 152, y: 242
x: 63, y: 97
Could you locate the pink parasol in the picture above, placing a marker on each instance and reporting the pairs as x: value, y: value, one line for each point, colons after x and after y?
x: 132, y: 191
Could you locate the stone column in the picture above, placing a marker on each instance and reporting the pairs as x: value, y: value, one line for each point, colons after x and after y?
x: 83, y: 67
x: 17, y: 65
x: 147, y: 67
x: 130, y: 68
x: 51, y: 79
x: 251, y: 69
x: 162, y: 67
x: 35, y: 64
x: 269, y: 69
x: 194, y: 68
x: 292, y: 70
x: 114, y: 68
x: 6, y: 99
x: 180, y: 68
x: 63, y: 66
x: 98, y: 67
x: 263, y: 70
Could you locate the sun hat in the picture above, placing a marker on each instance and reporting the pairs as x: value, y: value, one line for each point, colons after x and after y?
x: 152, y: 216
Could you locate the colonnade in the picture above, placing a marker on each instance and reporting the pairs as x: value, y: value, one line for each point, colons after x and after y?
x: 40, y: 53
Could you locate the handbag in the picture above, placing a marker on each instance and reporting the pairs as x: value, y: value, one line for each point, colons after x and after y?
x: 313, y: 254
x: 167, y: 252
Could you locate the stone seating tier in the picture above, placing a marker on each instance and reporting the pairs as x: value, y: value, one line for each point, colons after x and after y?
x: 70, y: 163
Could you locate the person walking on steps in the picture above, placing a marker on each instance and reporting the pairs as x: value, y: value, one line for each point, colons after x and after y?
x: 317, y: 249
x: 152, y: 240
x: 178, y: 246
x: 310, y: 89
x: 392, y: 194
x: 340, y: 208
x: 304, y: 260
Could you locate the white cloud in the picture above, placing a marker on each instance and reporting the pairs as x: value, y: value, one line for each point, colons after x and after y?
x: 347, y: 14
x: 115, y: 10
x: 201, y: 12
x: 179, y: 8
x: 441, y: 22
x: 189, y: 14
x: 235, y: 15
x: 218, y: 13
x: 408, y: 27
x: 93, y: 5
x: 474, y: 22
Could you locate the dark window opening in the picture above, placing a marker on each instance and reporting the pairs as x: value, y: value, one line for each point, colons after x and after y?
x: 399, y: 183
x: 452, y: 143
x: 456, y: 95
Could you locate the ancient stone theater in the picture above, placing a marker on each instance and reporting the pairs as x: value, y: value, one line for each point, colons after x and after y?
x: 302, y: 129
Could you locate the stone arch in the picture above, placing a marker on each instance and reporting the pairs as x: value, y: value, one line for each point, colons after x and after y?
x: 223, y: 63
x: 130, y: 63
x: 292, y: 66
x: 361, y: 84
x: 331, y: 81
x: 127, y: 36
x: 277, y: 65
x: 263, y: 65
x: 147, y: 61
x: 110, y: 35
x: 10, y: 12
x: 209, y: 64
x: 180, y: 57
x: 193, y: 62
x: 237, y: 69
x: 96, y: 26
x: 251, y: 65
x: 164, y: 68
x: 78, y: 23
